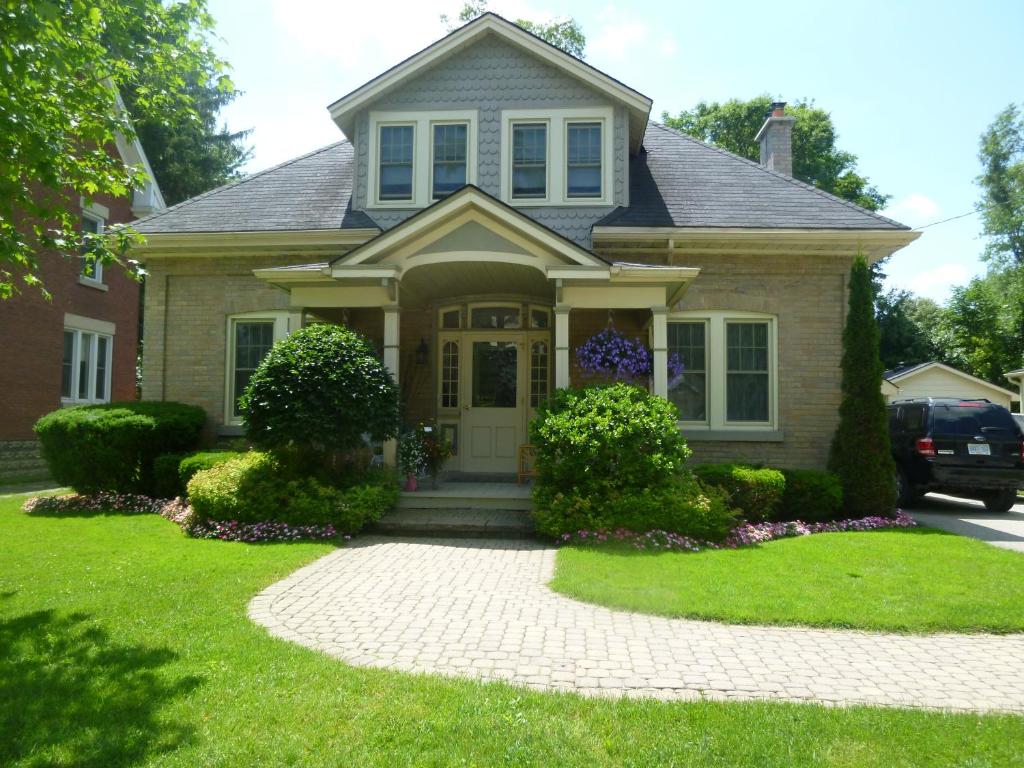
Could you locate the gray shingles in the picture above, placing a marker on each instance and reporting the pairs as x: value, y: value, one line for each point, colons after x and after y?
x: 310, y: 192
x: 682, y: 182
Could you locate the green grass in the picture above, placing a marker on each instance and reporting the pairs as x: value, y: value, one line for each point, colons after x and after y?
x: 124, y: 643
x: 912, y: 580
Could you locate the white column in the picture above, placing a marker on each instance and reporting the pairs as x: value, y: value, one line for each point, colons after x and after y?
x: 659, y: 346
x: 561, y: 346
x: 392, y: 313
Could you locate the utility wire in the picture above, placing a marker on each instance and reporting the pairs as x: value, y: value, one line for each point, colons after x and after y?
x: 951, y: 218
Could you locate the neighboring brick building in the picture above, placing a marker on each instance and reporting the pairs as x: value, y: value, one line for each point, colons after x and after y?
x: 78, y: 347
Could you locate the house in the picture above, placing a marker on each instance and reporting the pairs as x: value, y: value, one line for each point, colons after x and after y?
x: 80, y: 346
x: 934, y: 379
x: 494, y: 204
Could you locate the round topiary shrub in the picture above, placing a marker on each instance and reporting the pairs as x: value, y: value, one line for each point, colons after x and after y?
x: 321, y: 389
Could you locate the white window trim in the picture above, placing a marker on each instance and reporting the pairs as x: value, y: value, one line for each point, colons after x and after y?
x: 716, y: 371
x: 98, y: 214
x: 558, y: 138
x: 422, y: 153
x: 284, y: 321
x: 78, y: 325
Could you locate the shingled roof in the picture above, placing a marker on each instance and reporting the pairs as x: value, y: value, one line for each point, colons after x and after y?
x: 679, y: 181
x: 313, y: 191
x: 676, y: 181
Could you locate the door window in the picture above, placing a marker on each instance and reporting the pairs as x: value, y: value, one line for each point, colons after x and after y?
x: 495, y: 367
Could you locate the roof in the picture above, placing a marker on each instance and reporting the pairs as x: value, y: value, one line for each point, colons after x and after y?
x: 682, y: 182
x: 895, y: 375
x: 311, y: 192
x: 344, y: 109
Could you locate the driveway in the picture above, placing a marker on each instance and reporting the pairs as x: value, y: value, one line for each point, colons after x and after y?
x: 482, y: 609
x: 970, y: 518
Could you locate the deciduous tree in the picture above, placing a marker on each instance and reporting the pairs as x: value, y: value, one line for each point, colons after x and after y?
x: 564, y: 33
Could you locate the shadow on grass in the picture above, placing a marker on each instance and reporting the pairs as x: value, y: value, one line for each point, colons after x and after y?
x: 70, y: 696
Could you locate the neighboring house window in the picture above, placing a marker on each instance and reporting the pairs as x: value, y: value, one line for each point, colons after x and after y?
x: 85, y: 364
x: 396, y: 162
x: 91, y: 269
x: 729, y: 369
x: 450, y: 153
x: 250, y: 337
x: 529, y: 160
x: 583, y: 162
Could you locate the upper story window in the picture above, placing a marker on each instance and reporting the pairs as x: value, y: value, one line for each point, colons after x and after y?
x: 450, y: 156
x: 91, y: 270
x: 529, y: 160
x: 419, y: 157
x: 557, y: 156
x: 396, y: 162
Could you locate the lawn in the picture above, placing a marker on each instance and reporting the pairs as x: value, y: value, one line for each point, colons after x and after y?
x: 910, y: 580
x: 124, y: 643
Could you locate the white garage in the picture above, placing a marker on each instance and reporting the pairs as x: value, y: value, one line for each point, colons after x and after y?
x: 940, y: 380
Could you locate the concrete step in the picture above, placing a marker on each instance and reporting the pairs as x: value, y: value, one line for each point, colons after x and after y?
x: 456, y: 523
x: 463, y: 495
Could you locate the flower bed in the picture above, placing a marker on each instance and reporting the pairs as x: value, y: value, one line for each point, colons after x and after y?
x: 95, y: 503
x: 745, y: 535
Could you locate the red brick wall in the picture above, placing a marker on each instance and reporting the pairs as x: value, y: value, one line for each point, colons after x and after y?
x: 31, y: 334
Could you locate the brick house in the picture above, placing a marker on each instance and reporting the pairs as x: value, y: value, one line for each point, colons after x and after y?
x: 81, y: 345
x: 495, y: 203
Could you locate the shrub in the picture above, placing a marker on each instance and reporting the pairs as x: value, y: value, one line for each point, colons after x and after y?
x: 166, y: 484
x: 811, y: 496
x: 755, y: 492
x: 861, y: 454
x: 113, y: 446
x: 322, y: 389
x: 196, y: 462
x: 253, y: 488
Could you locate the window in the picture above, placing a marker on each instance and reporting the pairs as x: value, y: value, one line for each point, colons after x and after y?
x: 540, y: 318
x: 729, y: 370
x: 249, y: 338
x: 583, y: 161
x: 396, y: 162
x: 747, y: 385
x: 529, y: 160
x: 496, y: 318
x: 450, y: 152
x: 687, y: 341
x: 538, y: 373
x: 450, y: 375
x: 91, y: 269
x: 451, y: 319
x: 85, y: 366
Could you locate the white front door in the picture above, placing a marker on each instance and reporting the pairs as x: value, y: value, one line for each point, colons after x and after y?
x: 493, y: 417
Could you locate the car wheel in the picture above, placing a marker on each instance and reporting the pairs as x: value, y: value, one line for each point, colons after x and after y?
x: 905, y: 492
x: 1001, y: 501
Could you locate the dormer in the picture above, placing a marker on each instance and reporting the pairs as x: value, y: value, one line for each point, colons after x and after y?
x: 497, y: 107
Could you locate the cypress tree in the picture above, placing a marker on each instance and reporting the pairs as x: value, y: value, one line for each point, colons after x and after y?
x: 861, y: 454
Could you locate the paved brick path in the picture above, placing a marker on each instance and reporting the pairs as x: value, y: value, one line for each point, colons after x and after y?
x: 482, y: 609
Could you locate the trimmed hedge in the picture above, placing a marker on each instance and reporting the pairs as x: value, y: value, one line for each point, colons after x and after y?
x: 756, y: 492
x: 113, y: 446
x: 811, y: 496
x: 172, y: 471
x: 254, y: 488
x: 196, y: 462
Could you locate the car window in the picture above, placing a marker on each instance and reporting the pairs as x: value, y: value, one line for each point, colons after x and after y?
x: 1019, y: 418
x: 894, y: 418
x: 913, y: 417
x: 970, y: 420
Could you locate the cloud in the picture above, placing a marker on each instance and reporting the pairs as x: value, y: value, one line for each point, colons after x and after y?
x: 915, y: 209
x: 936, y: 283
x: 620, y: 35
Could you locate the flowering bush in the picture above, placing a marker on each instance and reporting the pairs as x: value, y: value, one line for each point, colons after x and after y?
x: 253, y: 533
x: 412, y: 454
x: 746, y: 535
x: 613, y: 355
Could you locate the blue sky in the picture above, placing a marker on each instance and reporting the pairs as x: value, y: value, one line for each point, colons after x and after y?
x: 910, y: 85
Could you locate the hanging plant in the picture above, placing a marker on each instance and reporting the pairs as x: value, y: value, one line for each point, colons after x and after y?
x: 612, y: 355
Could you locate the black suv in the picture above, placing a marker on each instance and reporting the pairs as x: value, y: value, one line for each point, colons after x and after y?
x: 970, y: 448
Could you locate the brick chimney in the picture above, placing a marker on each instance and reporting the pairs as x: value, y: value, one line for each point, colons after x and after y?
x: 776, y: 139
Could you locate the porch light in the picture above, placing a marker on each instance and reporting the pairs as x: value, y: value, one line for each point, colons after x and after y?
x: 422, y: 352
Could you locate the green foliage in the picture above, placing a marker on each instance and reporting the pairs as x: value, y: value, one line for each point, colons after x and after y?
x: 733, y: 125
x: 166, y: 484
x: 196, y: 462
x: 906, y: 326
x: 861, y: 454
x: 113, y: 447
x: 810, y: 496
x: 755, y: 491
x: 1002, y: 184
x: 566, y: 33
x: 64, y: 63
x: 254, y: 488
x: 321, y: 389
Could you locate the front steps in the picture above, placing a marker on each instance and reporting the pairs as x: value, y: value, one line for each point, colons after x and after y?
x: 461, y: 510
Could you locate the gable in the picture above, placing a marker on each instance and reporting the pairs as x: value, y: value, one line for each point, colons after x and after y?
x: 473, y: 236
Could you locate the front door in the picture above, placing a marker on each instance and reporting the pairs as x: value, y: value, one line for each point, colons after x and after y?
x: 493, y: 414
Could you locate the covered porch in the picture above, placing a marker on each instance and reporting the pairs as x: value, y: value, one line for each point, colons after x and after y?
x: 476, y: 309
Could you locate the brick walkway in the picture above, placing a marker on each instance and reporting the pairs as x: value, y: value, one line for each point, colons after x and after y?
x: 482, y: 609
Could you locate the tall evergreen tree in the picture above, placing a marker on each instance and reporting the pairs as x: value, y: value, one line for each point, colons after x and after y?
x: 861, y: 453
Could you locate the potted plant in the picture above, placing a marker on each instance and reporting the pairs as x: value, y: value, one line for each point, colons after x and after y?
x: 412, y: 457
x: 436, y: 450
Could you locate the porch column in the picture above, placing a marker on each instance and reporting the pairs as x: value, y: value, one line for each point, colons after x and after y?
x: 659, y: 346
x: 561, y: 346
x: 391, y: 338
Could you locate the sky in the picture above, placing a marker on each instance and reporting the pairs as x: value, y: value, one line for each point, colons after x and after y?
x: 910, y: 85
